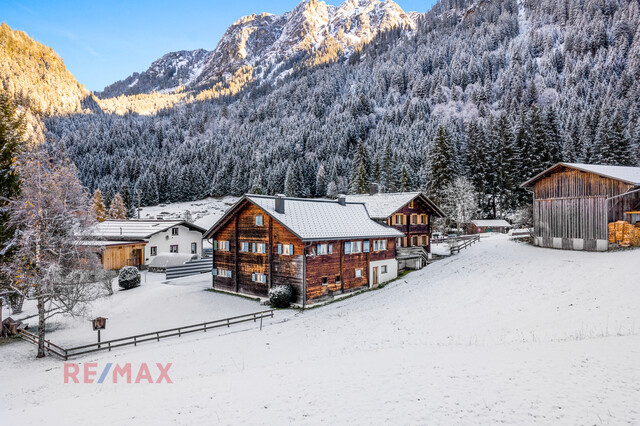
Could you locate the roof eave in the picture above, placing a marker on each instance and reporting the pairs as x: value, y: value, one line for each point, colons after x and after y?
x: 542, y: 174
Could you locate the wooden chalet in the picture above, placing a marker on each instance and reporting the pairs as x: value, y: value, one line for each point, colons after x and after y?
x: 320, y: 247
x: 410, y: 213
x: 483, y: 226
x: 573, y: 204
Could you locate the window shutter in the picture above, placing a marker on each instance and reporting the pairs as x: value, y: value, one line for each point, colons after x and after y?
x: 253, y: 277
x: 279, y: 248
x: 318, y: 249
x: 253, y: 247
x: 228, y: 274
x: 365, y: 246
x: 215, y: 244
x: 291, y: 249
x: 330, y: 248
x: 264, y: 279
x: 214, y: 271
x: 347, y: 247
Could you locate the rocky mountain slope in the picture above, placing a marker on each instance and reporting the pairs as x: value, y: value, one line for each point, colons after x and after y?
x: 260, y: 41
x: 173, y: 70
x: 36, y: 76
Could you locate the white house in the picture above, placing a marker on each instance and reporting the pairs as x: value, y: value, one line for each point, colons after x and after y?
x: 161, y: 236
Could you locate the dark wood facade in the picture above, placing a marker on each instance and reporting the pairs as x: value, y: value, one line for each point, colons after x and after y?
x: 313, y: 276
x: 572, y: 208
x: 414, y: 220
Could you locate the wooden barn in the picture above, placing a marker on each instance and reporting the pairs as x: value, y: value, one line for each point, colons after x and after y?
x: 573, y: 204
x: 488, y: 225
x: 320, y: 247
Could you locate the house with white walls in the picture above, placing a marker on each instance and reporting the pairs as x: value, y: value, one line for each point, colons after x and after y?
x: 160, y: 236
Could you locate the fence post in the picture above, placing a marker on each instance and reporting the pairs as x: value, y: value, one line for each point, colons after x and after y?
x: 158, y: 336
x: 135, y: 341
x: 261, y: 320
x: 109, y: 346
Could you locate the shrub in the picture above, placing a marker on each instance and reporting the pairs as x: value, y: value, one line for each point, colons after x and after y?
x: 129, y: 277
x: 281, y: 296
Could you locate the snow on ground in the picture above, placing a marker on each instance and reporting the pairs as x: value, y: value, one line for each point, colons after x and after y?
x: 204, y: 212
x: 502, y: 332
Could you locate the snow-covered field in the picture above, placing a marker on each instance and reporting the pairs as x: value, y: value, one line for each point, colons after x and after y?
x: 204, y: 212
x: 503, y: 332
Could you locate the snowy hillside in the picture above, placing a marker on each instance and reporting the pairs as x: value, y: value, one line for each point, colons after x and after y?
x: 502, y: 333
x: 203, y: 213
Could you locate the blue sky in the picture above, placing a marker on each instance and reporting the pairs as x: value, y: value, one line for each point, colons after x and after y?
x: 105, y: 41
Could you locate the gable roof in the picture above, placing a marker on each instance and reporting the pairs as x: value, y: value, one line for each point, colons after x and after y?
x: 137, y: 228
x: 381, y: 206
x: 491, y: 222
x: 316, y: 220
x: 630, y: 175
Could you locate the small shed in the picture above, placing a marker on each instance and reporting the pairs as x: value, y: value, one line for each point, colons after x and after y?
x: 115, y: 255
x: 488, y: 225
x: 574, y: 204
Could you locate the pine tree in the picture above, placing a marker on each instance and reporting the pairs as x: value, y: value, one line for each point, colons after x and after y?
x: 11, y: 143
x: 443, y: 164
x: 117, y: 210
x: 97, y: 206
x: 360, y: 176
x: 321, y: 182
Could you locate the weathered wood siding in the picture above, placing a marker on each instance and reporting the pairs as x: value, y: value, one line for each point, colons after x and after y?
x: 118, y: 256
x: 571, y: 204
x: 419, y: 230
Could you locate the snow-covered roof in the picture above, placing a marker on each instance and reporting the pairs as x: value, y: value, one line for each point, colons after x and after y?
x: 381, y: 206
x: 317, y: 220
x: 136, y: 229
x: 491, y: 223
x: 162, y: 260
x: 630, y: 175
x: 110, y: 242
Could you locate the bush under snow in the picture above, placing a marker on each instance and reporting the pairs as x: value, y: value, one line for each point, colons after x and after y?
x: 129, y: 277
x: 281, y: 296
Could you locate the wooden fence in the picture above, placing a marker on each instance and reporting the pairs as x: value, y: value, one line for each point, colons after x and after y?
x: 146, y: 337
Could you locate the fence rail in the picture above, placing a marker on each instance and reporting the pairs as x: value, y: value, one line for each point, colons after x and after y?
x: 464, y: 243
x: 107, y: 345
x: 193, y: 267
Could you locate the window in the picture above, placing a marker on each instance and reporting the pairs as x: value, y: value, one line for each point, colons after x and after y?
x: 414, y: 241
x: 379, y: 245
x: 365, y: 246
x: 383, y: 269
x: 154, y: 251
x: 194, y: 248
x: 321, y: 249
x: 226, y: 273
x: 259, y: 220
x: 399, y: 242
x: 356, y: 246
x: 259, y: 248
x: 286, y: 249
x: 258, y: 277
x: 425, y: 219
x: 358, y: 273
x: 411, y: 204
x: 337, y: 279
x: 244, y: 247
x: 173, y: 248
x: 425, y: 240
x: 325, y: 281
x: 221, y: 245
x: 414, y: 219
x: 174, y: 231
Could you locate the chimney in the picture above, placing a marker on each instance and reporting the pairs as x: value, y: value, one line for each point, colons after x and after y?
x: 373, y: 188
x: 280, y: 203
x: 342, y: 199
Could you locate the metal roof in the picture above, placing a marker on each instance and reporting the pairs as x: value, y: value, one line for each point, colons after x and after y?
x: 319, y: 220
x: 630, y: 175
x: 491, y: 222
x: 136, y: 228
x: 381, y: 206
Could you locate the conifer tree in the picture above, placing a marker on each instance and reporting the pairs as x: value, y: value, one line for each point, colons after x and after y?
x: 360, y: 176
x: 117, y: 210
x: 443, y: 164
x: 97, y: 206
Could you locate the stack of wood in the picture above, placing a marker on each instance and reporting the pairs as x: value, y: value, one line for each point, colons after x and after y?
x: 624, y: 234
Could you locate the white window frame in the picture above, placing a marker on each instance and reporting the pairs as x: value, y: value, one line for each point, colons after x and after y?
x: 358, y: 273
x: 286, y: 249
x: 171, y: 248
x: 322, y: 249
x: 245, y: 247
x: 356, y: 247
x: 175, y: 231
x: 259, y: 220
x: 259, y: 277
x: 194, y: 248
x: 383, y: 269
x: 222, y: 245
x: 259, y: 248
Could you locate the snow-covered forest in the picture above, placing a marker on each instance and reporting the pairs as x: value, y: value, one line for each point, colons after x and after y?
x: 494, y: 90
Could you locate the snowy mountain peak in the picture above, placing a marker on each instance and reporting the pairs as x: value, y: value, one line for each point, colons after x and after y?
x: 266, y: 39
